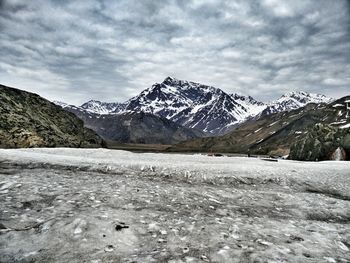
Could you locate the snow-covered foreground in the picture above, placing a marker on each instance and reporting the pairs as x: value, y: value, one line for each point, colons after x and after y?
x: 82, y: 205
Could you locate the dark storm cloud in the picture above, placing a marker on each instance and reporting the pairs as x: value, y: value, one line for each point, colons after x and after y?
x: 111, y: 50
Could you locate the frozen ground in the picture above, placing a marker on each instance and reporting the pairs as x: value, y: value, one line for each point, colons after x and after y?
x: 78, y: 205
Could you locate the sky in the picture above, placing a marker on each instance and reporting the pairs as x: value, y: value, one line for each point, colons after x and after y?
x: 111, y: 50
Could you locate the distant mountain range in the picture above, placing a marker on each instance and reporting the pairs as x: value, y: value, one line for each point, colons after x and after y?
x: 190, y: 116
x: 275, y: 133
x: 196, y: 106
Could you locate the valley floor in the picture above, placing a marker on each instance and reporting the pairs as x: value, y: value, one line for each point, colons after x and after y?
x: 82, y: 205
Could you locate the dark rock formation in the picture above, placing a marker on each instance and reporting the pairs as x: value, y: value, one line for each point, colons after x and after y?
x: 28, y: 120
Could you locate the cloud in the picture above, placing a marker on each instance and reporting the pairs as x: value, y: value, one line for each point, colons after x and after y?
x: 111, y: 50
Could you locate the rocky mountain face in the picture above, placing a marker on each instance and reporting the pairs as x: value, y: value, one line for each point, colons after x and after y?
x: 275, y: 133
x: 202, y: 107
x: 190, y: 104
x: 28, y: 120
x: 135, y: 127
x: 323, y: 142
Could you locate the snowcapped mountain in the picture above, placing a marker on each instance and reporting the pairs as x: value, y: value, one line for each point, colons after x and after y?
x: 95, y: 106
x: 197, y: 106
x: 293, y: 100
x: 98, y: 107
x: 209, y: 109
x: 190, y: 104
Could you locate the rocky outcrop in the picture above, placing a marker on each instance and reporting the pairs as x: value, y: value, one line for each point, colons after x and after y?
x: 339, y: 154
x: 28, y: 120
x: 322, y: 142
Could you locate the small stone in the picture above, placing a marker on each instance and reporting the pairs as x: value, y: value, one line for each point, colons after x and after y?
x: 161, y: 240
x: 296, y: 238
x: 204, y: 258
x: 342, y: 246
x: 119, y: 227
x: 225, y: 235
x: 78, y: 231
x: 185, y: 250
x: 263, y: 242
x: 109, y: 248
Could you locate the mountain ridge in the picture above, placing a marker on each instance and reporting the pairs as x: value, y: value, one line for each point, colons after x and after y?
x: 206, y: 108
x: 274, y: 133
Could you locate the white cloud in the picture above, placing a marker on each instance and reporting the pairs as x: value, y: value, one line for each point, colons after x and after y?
x: 111, y: 50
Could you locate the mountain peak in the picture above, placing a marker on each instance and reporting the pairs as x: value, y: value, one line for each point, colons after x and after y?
x: 296, y: 93
x: 96, y: 106
x: 171, y: 81
x: 90, y: 102
x: 294, y: 100
x: 305, y: 97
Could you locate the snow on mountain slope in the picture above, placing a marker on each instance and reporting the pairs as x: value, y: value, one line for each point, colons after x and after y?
x: 253, y: 106
x: 99, y: 107
x: 67, y: 106
x: 61, y: 103
x: 71, y: 108
x: 199, y: 106
x: 294, y: 100
x: 190, y: 104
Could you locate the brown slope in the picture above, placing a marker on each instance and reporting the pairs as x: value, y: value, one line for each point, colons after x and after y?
x: 135, y: 127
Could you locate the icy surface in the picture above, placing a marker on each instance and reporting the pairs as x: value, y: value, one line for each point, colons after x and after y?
x: 82, y: 205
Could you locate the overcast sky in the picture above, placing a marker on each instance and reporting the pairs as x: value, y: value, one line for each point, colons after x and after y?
x: 111, y: 50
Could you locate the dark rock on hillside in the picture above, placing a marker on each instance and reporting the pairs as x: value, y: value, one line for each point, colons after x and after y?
x: 28, y: 120
x: 323, y: 142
